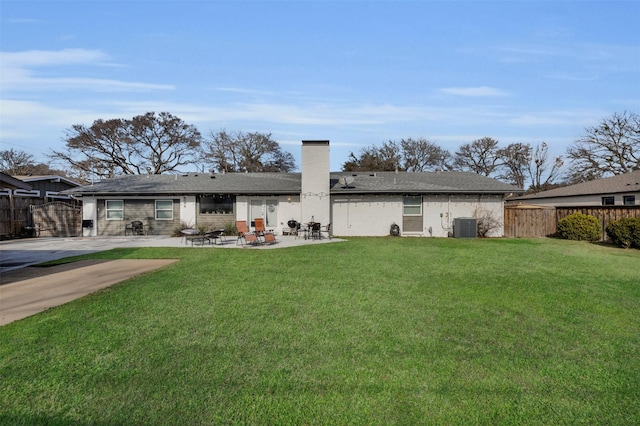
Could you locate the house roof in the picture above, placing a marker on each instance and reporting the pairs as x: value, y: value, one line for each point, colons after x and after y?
x: 195, y: 183
x: 52, y: 178
x: 290, y: 183
x: 628, y: 182
x: 417, y: 182
x: 12, y: 182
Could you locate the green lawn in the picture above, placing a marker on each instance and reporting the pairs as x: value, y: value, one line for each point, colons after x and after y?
x: 370, y: 331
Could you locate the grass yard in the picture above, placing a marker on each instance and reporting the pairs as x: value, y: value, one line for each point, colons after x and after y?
x: 370, y: 331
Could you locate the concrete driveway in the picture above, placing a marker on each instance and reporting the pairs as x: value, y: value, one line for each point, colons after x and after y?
x: 19, y: 253
x: 28, y: 291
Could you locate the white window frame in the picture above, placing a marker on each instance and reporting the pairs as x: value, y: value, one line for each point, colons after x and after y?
x: 158, y: 210
x: 109, y: 210
x: 411, y: 206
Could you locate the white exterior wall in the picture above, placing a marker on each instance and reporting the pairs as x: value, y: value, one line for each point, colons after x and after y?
x: 457, y: 206
x: 365, y: 215
x: 90, y: 212
x: 372, y: 215
x: 288, y: 208
x: 242, y: 207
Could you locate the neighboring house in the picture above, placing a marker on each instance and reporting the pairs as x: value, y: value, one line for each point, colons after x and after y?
x: 620, y: 190
x: 23, y: 200
x: 8, y: 184
x: 356, y: 204
x: 48, y: 187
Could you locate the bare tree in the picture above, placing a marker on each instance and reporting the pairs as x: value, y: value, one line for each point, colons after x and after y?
x: 488, y: 221
x: 421, y: 155
x: 411, y: 155
x: 246, y: 152
x: 482, y: 156
x: 14, y: 162
x: 146, y: 143
x: 387, y: 157
x: 610, y: 148
x: 515, y: 160
x: 20, y: 163
x: 543, y: 171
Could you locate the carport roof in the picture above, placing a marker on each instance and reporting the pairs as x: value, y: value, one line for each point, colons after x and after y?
x: 290, y: 183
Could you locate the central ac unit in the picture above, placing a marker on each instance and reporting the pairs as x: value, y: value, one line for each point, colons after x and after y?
x: 465, y: 227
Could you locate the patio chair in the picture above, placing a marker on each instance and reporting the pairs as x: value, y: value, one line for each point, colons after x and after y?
x: 302, y: 231
x: 135, y: 228
x: 268, y: 237
x: 326, y: 230
x: 315, y: 230
x: 138, y: 227
x: 245, y: 236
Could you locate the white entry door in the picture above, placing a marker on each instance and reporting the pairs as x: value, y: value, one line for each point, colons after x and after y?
x: 265, y: 208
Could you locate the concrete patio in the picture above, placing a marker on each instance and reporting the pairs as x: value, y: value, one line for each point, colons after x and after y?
x: 19, y: 253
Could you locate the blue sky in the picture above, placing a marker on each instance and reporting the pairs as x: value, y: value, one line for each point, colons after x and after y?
x: 357, y: 73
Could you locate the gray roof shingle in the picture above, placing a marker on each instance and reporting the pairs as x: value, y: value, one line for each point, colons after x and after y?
x: 628, y: 182
x: 419, y: 182
x: 290, y: 183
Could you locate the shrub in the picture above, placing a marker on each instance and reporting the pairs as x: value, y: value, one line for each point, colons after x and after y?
x: 625, y: 232
x: 488, y: 221
x: 230, y: 228
x: 580, y: 227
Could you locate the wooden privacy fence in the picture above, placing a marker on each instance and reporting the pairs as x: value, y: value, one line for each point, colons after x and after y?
x: 14, y: 216
x: 541, y: 221
x: 529, y: 221
x: 58, y: 219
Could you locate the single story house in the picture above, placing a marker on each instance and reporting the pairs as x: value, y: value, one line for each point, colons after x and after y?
x: 619, y: 190
x: 355, y: 204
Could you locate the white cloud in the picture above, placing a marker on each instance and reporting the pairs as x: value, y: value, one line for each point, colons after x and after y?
x: 609, y: 57
x: 19, y: 72
x: 27, y: 83
x: 52, y: 57
x: 324, y: 114
x: 570, y: 118
x: 481, y: 91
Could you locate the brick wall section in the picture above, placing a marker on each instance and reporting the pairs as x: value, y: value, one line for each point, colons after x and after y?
x: 142, y: 210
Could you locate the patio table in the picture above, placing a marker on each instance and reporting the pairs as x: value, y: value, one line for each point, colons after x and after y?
x: 188, y: 234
